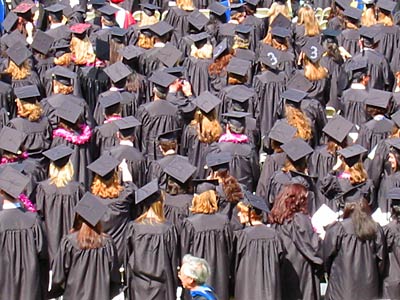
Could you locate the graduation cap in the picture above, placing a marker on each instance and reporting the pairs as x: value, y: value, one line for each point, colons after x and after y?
x: 23, y: 7
x: 145, y: 30
x: 14, y: 37
x: 199, y: 38
x: 338, y: 128
x: 386, y: 5
x: 256, y: 202
x: 396, y: 118
x: 343, y: 3
x: 217, y: 8
x: 270, y: 56
x: 118, y: 33
x: 280, y: 21
x: 108, y: 12
x: 102, y: 49
x: 110, y: 98
x: 236, y: 118
x: 394, y: 195
x: 18, y: 53
x: 378, y: 98
x: 63, y: 75
x: 104, y: 166
x: 394, y: 143
x: 313, y: 50
x: 238, y: 66
x: 206, y: 101
x: 330, y: 33
x: 204, y: 185
x: 245, y: 54
x: 79, y: 28
x: 243, y: 30
x: 61, y: 48
x: 127, y: 125
x: 13, y: 182
x: 237, y: 8
x: 117, y: 71
x: 42, y: 42
x: 148, y: 194
x: 180, y: 169
x: 254, y: 3
x: 299, y: 82
x: 10, y: 21
x: 353, y: 13
x: 240, y: 93
x: 296, y: 149
x: 55, y: 10
x: 59, y: 155
x: 280, y: 32
x: 97, y: 2
x: 11, y: 139
x: 28, y: 93
x: 357, y: 65
x: 352, y: 154
x: 162, y: 80
x: 197, y: 20
x: 161, y: 29
x: 294, y: 95
x: 90, y: 208
x: 169, y: 55
x: 149, y: 9
x: 218, y: 160
x: 130, y: 52
x: 69, y: 111
x: 370, y: 34
x: 176, y: 71
x: 170, y: 135
x: 220, y: 48
x: 282, y: 132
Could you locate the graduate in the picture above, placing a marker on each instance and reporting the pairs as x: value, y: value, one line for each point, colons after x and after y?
x: 348, y: 38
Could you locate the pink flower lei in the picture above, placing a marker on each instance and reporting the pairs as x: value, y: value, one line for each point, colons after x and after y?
x: 28, y: 205
x: 71, y: 137
x: 22, y: 156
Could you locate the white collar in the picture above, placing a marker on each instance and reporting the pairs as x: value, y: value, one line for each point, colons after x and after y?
x: 357, y: 86
x: 9, y: 205
x: 126, y: 143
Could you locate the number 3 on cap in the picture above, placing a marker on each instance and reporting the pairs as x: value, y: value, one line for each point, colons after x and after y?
x: 273, y: 58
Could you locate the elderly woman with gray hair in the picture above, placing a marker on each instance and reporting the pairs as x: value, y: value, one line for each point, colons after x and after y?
x: 193, y: 274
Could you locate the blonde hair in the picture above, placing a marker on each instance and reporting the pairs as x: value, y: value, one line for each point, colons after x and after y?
x: 306, y: 17
x: 350, y: 25
x: 60, y: 176
x: 82, y: 51
x: 106, y: 188
x: 30, y: 111
x: 16, y: 72
x: 158, y: 210
x: 296, y: 118
x: 204, y: 52
x: 63, y: 60
x: 208, y: 127
x: 277, y: 8
x: 240, y: 43
x: 146, y: 20
x: 62, y: 88
x: 145, y: 42
x: 245, y: 209
x: 313, y: 71
x: 368, y: 17
x: 185, y: 4
x: 385, y: 19
x: 357, y: 172
x: 205, y: 203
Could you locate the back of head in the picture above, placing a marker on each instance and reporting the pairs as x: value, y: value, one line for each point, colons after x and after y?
x: 196, y: 268
x: 364, y: 226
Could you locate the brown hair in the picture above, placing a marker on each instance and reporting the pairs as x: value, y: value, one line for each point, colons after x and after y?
x: 205, y: 203
x: 234, y: 79
x: 30, y: 111
x: 230, y: 186
x: 175, y: 187
x: 298, y: 119
x: 306, y: 17
x: 62, y: 88
x: 106, y: 188
x: 88, y: 237
x: 368, y: 17
x: 313, y: 70
x: 158, y: 209
x: 115, y: 56
x: 298, y: 165
x: 374, y: 111
x: 208, y: 127
x: 16, y: 72
x: 185, y: 5
x: 219, y: 64
x: 245, y: 209
x: 364, y: 226
x: 292, y: 199
x: 385, y: 19
x: 82, y: 51
x: 167, y: 145
x: 63, y: 60
x: 145, y: 42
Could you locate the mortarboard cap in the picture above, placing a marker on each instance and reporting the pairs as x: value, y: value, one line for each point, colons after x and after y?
x: 108, y: 11
x: 256, y: 202
x: 236, y: 118
x: 161, y: 28
x: 206, y: 101
x: 313, y: 50
x: 110, y: 98
x: 237, y: 8
x: 299, y: 82
x: 169, y: 55
x: 162, y: 80
x: 91, y: 209
x: 199, y: 37
x: 180, y: 169
x: 243, y: 30
x: 176, y: 71
x: 370, y: 34
x: 23, y: 7
x: 203, y: 185
x: 117, y: 71
x: 197, y: 20
x: 10, y: 21
x: 218, y: 160
x: 55, y: 9
x: 102, y: 49
x: 238, y: 66
x: 118, y: 32
x: 280, y: 32
x: 18, y: 53
x: 104, y: 165
x: 281, y: 21
x: 12, y: 181
x: 28, y: 93
x: 42, y: 42
x: 217, y: 8
x: 386, y: 5
x: 358, y: 65
x: 282, y: 132
x: 11, y: 139
x: 148, y: 194
x: 296, y: 149
x: 79, y: 28
x: 131, y: 52
x: 343, y: 3
x: 170, y: 135
x: 252, y: 2
x: 127, y: 125
x: 13, y: 38
x: 394, y: 142
x: 69, y: 111
x: 97, y: 2
x: 294, y: 95
x: 149, y: 8
x: 378, y: 98
x: 330, y: 33
x: 220, y: 48
x: 61, y: 49
x: 63, y: 75
x: 269, y: 56
x: 59, y: 155
x: 245, y: 54
x: 240, y: 93
x: 338, y: 128
x: 353, y: 13
x: 396, y: 118
x: 394, y: 195
x: 352, y: 154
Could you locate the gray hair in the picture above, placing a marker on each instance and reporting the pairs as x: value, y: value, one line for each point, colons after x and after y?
x: 196, y: 268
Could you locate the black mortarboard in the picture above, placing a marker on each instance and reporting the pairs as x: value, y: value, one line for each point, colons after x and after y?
x: 217, y: 8
x: 331, y: 33
x: 162, y: 80
x: 102, y: 49
x: 79, y: 28
x: 104, y: 165
x: 280, y: 32
x: 18, y: 53
x: 378, y: 98
x: 97, y: 2
x: 108, y: 11
x: 282, y: 132
x: 12, y: 182
x: 110, y: 98
x: 180, y: 169
x: 149, y: 8
x: 353, y: 13
x: 63, y: 75
x: 199, y: 37
x: 358, y: 65
x: 203, y: 185
x: 343, y: 3
x: 55, y: 10
x: 91, y: 209
x: 161, y: 28
x: 145, y: 30
x: 252, y: 2
x: 69, y: 111
x: 42, y: 42
x: 11, y: 139
x: 197, y: 20
x: 296, y: 149
x: 338, y: 128
x: 148, y: 194
x: 394, y: 195
x: 59, y: 155
x: 245, y: 54
x: 243, y: 30
x: 60, y: 49
x: 28, y: 93
x: 170, y: 135
x: 169, y: 55
x: 240, y: 93
x: 394, y: 143
x: 176, y: 71
x: 130, y: 52
x: 127, y: 125
x: 218, y: 160
x: 236, y: 118
x: 269, y: 56
x: 237, y: 8
x: 206, y: 101
x: 220, y: 48
x: 23, y: 7
x: 117, y: 71
x: 299, y: 82
x: 313, y: 50
x: 396, y: 118
x: 352, y: 154
x: 256, y: 202
x: 119, y: 33
x: 238, y: 66
x: 281, y: 21
x: 294, y: 95
x: 10, y: 21
x: 370, y: 34
x: 13, y: 38
x: 386, y: 5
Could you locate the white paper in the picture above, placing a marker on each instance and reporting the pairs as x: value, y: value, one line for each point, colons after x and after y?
x: 381, y: 217
x: 323, y: 217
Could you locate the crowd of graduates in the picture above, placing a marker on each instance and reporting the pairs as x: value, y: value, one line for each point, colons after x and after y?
x: 262, y: 136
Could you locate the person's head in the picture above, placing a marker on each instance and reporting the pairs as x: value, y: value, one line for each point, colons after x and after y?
x: 291, y: 199
x: 277, y: 8
x: 385, y: 18
x: 82, y: 50
x: 60, y: 88
x: 357, y: 172
x: 194, y: 271
x: 220, y: 63
x: 28, y: 110
x: 208, y: 127
x: 154, y: 212
x: 306, y: 17
x: 331, y: 48
x: 230, y: 185
x: 298, y: 119
x: 204, y: 52
x: 107, y: 186
x: 394, y: 160
x: 185, y: 5
x: 313, y: 70
x: 60, y: 176
x: 89, y: 237
x: 205, y: 203
x: 18, y: 72
x: 364, y: 226
x: 174, y: 187
x: 247, y: 214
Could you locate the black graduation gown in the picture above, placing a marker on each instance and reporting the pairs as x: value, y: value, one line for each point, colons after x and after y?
x: 56, y: 205
x: 259, y: 29
x: 197, y: 71
x: 151, y: 261
x: 388, y: 41
x: 353, y: 105
x: 177, y: 18
x: 252, y: 245
x: 388, y: 182
x: 300, y: 39
x: 41, y: 66
x: 302, y: 259
x: 176, y: 209
x: 355, y: 267
x: 24, y: 261
x: 47, y: 80
x: 7, y: 99
x: 348, y: 39
x: 374, y: 131
x: 85, y: 274
x: 104, y: 138
x: 156, y: 117
x: 228, y: 104
x: 272, y: 163
x: 156, y: 169
x: 210, y: 237
x: 321, y: 162
x: 334, y: 70
x: 391, y: 283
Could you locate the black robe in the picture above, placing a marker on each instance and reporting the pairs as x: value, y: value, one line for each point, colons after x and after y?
x: 349, y: 39
x: 151, y: 261
x: 391, y: 283
x: 177, y: 18
x: 355, y: 267
x: 302, y: 259
x: 374, y: 131
x: 24, y: 261
x: 321, y: 162
x: 156, y: 169
x: 252, y: 245
x: 272, y: 163
x: 7, y: 99
x: 104, y: 138
x: 85, y: 274
x: 388, y: 182
x: 197, y: 71
x: 176, y: 209
x: 334, y: 70
x: 353, y: 105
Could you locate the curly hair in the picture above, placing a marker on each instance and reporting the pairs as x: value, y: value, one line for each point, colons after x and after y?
x: 145, y: 42
x: 60, y: 176
x: 386, y: 20
x: 63, y: 60
x: 185, y: 5
x: 365, y: 227
x: 106, y: 188
x: 205, y: 203
x: 30, y: 111
x: 298, y: 119
x: 230, y: 186
x: 59, y: 88
x: 292, y: 199
x: 357, y: 172
x: 306, y: 17
x: 82, y: 51
x: 177, y: 188
x: 220, y: 64
x: 298, y: 165
x: 208, y: 128
x: 204, y: 52
x: 240, y: 43
x: 16, y: 72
